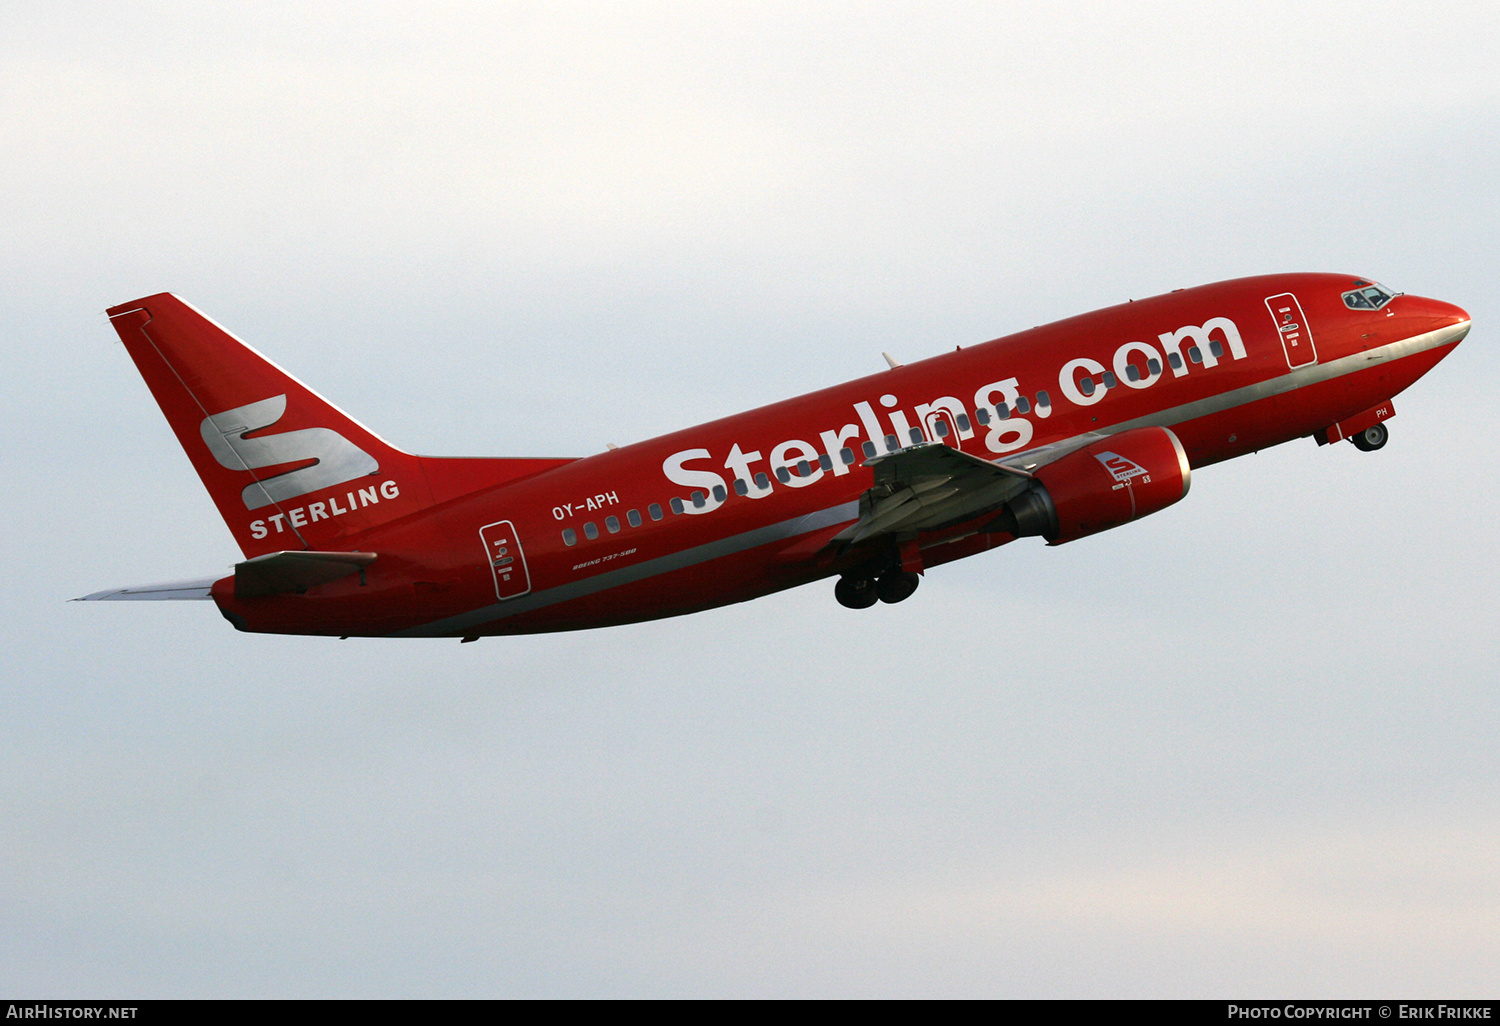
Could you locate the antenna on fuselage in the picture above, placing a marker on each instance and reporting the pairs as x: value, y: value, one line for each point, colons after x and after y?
x: 891, y: 360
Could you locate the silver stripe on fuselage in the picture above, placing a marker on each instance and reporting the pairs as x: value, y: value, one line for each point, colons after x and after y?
x: 849, y: 511
x: 1302, y: 377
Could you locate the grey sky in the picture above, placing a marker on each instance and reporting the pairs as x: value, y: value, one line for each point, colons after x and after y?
x: 1243, y: 747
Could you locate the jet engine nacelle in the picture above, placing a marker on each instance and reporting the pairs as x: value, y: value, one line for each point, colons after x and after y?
x: 1103, y: 485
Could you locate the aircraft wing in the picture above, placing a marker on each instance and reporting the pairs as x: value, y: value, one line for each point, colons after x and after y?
x: 930, y: 485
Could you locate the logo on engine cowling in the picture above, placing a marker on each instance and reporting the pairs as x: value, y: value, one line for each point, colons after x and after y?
x: 1122, y: 468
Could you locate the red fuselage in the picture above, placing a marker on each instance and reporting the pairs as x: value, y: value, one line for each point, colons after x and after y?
x: 1230, y: 368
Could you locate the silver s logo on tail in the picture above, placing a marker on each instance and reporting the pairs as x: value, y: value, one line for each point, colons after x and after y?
x: 339, y: 459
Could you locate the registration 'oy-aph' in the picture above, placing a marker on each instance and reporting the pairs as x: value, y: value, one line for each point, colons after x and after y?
x: 1058, y: 432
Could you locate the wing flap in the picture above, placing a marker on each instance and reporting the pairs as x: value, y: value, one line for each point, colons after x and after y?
x: 931, y: 485
x: 928, y: 486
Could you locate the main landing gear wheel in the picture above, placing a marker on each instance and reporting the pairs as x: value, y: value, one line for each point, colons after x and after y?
x: 1371, y: 438
x: 896, y: 586
x: 855, y: 592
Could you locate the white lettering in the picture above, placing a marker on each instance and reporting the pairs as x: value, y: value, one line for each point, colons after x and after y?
x: 738, y: 463
x: 788, y: 454
x: 297, y: 518
x: 929, y: 413
x: 1136, y: 364
x: 707, y: 480
x: 899, y: 426
x: 995, y: 440
x: 1201, y: 337
x: 258, y: 529
x: 1067, y: 380
x: 872, y: 426
x: 318, y: 511
x: 1122, y: 360
x: 833, y: 443
x: 389, y: 489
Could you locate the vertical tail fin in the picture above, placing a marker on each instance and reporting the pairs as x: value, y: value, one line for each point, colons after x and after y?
x: 286, y: 468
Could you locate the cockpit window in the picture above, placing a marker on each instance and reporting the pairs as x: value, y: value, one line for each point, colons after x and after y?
x: 1368, y: 296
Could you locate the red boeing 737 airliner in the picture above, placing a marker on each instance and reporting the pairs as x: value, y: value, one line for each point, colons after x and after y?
x: 1061, y: 431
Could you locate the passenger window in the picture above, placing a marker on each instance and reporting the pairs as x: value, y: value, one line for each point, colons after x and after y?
x: 1110, y: 381
x: 963, y: 421
x: 590, y: 531
x: 869, y: 449
x: 570, y: 537
x: 804, y: 468
x: 613, y: 524
x: 782, y: 475
x: 741, y: 487
x: 1086, y: 386
x: 1043, y: 401
x: 847, y: 455
x: 1154, y: 366
x: 1023, y: 405
x: 1175, y: 360
x: 1195, y: 354
x: 634, y: 516
x: 891, y: 443
x: 720, y: 494
x: 941, y: 427
x: 762, y: 481
x: 916, y: 436
x: 699, y: 500
x: 677, y: 506
x: 1216, y: 349
x: 982, y: 416
x: 1002, y: 411
x: 655, y: 510
x: 825, y: 461
x: 1131, y: 374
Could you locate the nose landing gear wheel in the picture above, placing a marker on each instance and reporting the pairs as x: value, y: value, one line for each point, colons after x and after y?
x: 896, y: 586
x: 855, y: 592
x: 1371, y: 438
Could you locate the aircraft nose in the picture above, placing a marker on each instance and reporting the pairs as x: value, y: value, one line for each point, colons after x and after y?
x: 1449, y: 316
x: 1452, y: 320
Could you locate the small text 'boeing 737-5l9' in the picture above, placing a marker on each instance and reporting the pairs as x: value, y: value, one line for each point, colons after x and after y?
x: 1059, y: 432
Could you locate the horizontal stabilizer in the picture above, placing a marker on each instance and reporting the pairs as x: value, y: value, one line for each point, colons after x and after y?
x: 278, y: 572
x: 171, y: 590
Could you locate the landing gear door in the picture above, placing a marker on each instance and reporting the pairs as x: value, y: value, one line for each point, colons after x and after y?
x: 502, y: 550
x: 1291, y: 325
